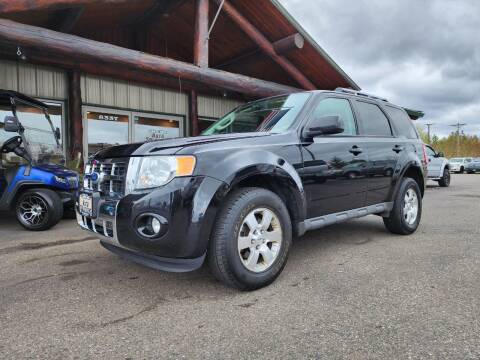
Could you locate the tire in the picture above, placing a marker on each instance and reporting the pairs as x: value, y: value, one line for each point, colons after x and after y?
x: 47, y: 205
x: 461, y: 170
x: 237, y: 267
x: 396, y: 222
x: 445, y: 179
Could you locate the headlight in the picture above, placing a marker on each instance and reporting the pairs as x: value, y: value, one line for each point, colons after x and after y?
x: 154, y: 171
x: 60, y: 180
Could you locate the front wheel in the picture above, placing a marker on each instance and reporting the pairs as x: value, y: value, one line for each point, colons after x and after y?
x: 251, y: 239
x: 38, y: 209
x: 407, y: 209
x: 445, y: 179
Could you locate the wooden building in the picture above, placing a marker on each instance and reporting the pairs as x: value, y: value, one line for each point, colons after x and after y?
x: 119, y: 71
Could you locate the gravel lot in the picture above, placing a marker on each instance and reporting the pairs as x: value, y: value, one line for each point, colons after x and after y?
x: 348, y: 291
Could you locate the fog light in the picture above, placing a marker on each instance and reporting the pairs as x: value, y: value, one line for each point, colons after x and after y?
x: 151, y: 225
x: 156, y: 225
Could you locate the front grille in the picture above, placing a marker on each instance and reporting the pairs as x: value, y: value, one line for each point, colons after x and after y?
x: 106, y: 176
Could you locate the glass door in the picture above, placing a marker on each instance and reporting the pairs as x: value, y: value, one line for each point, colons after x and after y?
x: 104, y: 128
x: 150, y: 127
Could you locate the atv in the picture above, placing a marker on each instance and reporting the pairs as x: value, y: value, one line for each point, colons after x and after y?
x: 34, y: 182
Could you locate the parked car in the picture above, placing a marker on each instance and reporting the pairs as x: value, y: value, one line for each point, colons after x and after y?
x: 33, y: 181
x: 438, y: 167
x: 473, y: 166
x: 459, y: 164
x: 239, y: 193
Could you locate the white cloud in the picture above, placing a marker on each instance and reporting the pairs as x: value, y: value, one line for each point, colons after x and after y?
x: 417, y: 53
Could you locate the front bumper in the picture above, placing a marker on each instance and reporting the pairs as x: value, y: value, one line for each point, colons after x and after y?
x: 455, y: 167
x: 187, y: 204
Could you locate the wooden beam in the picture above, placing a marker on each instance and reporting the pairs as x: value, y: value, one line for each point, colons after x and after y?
x: 89, y: 55
x: 289, y: 43
x: 282, y: 46
x: 265, y: 45
x: 65, y: 19
x: 75, y: 116
x: 17, y: 6
x: 200, y: 42
x: 193, y: 112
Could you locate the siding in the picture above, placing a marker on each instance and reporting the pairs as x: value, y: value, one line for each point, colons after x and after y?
x: 33, y: 80
x: 215, y: 107
x: 101, y: 91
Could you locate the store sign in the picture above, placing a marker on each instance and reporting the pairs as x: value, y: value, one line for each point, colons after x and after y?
x: 156, y: 134
x: 106, y: 117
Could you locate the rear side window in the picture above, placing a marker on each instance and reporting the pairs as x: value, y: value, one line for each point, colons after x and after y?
x: 401, y: 122
x: 341, y: 108
x: 373, y: 121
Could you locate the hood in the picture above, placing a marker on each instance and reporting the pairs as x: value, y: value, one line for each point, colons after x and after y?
x: 172, y: 146
x: 57, y: 170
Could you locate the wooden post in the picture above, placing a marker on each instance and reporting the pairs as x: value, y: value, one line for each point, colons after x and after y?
x: 75, y: 117
x: 193, y: 111
x: 200, y: 44
x: 200, y: 55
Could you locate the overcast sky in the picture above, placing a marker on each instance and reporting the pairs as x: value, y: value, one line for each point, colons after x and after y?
x: 423, y: 54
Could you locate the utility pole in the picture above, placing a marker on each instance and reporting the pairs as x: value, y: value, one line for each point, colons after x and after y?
x: 428, y: 131
x: 458, y: 126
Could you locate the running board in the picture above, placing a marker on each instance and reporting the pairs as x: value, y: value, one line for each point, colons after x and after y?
x: 330, y: 219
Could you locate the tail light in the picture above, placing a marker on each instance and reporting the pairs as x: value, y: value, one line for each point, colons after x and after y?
x: 425, y: 157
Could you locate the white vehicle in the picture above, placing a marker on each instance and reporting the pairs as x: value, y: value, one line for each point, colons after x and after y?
x: 438, y: 167
x: 459, y: 164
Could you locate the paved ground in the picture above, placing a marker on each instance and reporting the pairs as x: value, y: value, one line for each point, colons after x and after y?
x: 348, y: 291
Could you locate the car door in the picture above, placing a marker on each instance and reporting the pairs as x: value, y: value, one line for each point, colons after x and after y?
x: 435, y: 163
x: 383, y: 149
x: 334, y: 166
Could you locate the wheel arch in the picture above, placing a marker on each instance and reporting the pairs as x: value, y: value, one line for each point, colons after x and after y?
x: 264, y: 169
x: 414, y: 172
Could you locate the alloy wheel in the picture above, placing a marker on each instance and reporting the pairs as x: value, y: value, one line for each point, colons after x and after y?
x: 33, y: 210
x: 259, y: 240
x: 410, y: 207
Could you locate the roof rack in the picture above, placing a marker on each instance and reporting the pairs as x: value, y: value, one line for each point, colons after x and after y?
x: 360, y: 93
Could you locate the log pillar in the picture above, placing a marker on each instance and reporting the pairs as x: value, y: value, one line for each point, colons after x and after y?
x: 193, y: 111
x: 200, y: 55
x: 75, y: 117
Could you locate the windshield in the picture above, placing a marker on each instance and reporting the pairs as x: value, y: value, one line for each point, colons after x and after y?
x: 456, y: 160
x: 39, y: 134
x: 275, y: 114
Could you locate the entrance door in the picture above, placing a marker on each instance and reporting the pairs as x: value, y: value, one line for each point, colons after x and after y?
x: 104, y: 128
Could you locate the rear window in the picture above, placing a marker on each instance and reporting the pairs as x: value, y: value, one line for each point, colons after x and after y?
x: 374, y: 122
x: 401, y: 122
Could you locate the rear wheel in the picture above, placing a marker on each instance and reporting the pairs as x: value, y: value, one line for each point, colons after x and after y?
x: 407, y: 209
x: 445, y: 179
x: 251, y: 239
x: 38, y: 209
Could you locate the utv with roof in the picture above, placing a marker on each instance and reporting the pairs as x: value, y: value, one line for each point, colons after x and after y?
x: 263, y: 174
x: 34, y: 183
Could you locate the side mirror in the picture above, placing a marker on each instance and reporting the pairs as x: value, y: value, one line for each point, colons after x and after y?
x: 11, y: 124
x: 440, y: 154
x: 324, y: 125
x: 57, y: 133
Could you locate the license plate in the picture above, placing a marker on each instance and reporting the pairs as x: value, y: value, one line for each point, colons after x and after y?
x: 85, y: 204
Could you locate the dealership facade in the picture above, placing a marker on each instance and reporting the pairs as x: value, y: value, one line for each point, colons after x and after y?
x: 119, y: 71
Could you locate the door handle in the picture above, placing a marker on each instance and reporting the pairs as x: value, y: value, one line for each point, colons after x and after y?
x: 355, y: 150
x: 397, y: 148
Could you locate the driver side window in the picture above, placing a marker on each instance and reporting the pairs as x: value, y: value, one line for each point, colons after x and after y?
x: 338, y: 107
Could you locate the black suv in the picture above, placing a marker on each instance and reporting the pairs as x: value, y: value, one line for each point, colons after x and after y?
x: 266, y: 172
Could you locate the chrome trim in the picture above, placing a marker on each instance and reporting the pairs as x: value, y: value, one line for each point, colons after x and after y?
x: 321, y: 221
